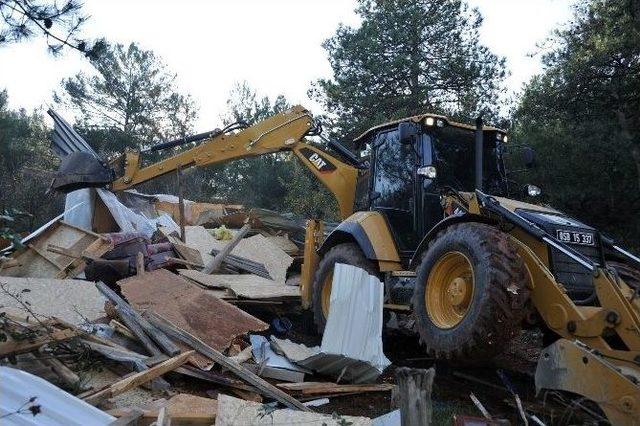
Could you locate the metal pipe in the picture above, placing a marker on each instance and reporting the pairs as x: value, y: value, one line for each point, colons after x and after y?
x: 479, y: 152
x: 182, y: 141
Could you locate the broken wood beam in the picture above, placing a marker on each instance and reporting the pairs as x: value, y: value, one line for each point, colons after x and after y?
x: 137, y: 379
x: 328, y: 388
x: 157, y: 335
x: 122, y: 329
x: 264, y: 387
x: 216, y: 262
x: 23, y: 346
x: 244, y: 264
x: 414, y: 393
x: 62, y: 371
x: 137, y: 330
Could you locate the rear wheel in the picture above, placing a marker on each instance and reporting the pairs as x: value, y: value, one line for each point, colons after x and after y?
x: 471, y: 292
x: 349, y: 254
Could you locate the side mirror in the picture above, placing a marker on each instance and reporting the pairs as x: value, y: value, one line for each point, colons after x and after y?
x: 528, y: 157
x: 407, y: 132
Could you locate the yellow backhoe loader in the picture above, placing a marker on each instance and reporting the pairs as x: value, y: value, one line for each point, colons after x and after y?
x: 472, y: 268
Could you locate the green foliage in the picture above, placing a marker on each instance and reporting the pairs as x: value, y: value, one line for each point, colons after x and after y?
x: 408, y: 58
x: 25, y: 169
x: 582, y: 117
x: 58, y: 23
x: 129, y: 100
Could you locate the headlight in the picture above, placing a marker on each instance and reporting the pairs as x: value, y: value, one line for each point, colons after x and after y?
x: 533, y: 191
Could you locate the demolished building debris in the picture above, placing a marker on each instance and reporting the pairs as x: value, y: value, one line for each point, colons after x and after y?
x: 154, y: 332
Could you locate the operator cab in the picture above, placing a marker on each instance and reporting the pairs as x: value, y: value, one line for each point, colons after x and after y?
x: 416, y: 160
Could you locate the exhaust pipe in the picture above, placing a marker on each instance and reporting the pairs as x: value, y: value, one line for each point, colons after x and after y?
x: 479, y: 152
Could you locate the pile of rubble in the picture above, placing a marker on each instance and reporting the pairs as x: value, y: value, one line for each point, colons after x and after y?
x: 135, y: 308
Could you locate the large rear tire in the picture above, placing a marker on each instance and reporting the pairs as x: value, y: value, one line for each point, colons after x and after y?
x: 347, y: 253
x: 471, y: 293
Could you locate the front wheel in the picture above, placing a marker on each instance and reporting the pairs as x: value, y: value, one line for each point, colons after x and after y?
x: 347, y: 253
x: 471, y: 292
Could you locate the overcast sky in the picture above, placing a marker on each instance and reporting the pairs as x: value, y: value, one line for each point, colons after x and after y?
x: 272, y: 44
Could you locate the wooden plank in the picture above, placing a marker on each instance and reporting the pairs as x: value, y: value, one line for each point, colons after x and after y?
x: 244, y: 285
x: 137, y: 330
x: 233, y: 411
x: 22, y: 346
x: 317, y: 388
x: 263, y: 386
x: 216, y: 262
x: 63, y: 251
x: 214, y: 377
x: 158, y: 336
x: 163, y: 416
x: 137, y: 379
x: 122, y: 329
x: 244, y: 264
x: 65, y: 373
x: 86, y: 231
x: 183, y: 409
x: 129, y: 419
x: 276, y: 373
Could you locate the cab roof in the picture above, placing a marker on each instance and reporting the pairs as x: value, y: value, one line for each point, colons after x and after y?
x: 421, y: 119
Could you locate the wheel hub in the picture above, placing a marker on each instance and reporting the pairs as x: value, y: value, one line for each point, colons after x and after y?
x: 457, y: 291
x: 449, y: 292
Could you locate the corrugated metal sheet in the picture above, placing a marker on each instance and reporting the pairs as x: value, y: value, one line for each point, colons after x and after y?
x: 57, y: 407
x: 65, y: 140
x: 352, y: 341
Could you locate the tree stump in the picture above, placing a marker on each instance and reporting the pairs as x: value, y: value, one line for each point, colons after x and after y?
x: 414, y: 395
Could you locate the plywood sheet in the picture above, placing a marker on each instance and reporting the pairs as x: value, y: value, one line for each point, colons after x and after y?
x: 257, y: 248
x: 233, y: 411
x: 248, y: 286
x: 189, y: 307
x: 69, y: 300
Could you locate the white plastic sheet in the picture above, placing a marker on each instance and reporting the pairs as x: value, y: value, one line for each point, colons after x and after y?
x: 79, y: 206
x: 57, y: 407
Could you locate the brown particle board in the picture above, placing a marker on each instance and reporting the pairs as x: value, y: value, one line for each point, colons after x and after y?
x: 188, y: 306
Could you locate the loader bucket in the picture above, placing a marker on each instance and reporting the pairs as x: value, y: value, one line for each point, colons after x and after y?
x: 82, y: 170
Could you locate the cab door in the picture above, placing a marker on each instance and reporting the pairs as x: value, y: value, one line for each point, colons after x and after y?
x: 393, y: 188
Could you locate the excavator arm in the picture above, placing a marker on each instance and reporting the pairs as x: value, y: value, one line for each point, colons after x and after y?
x: 285, y: 131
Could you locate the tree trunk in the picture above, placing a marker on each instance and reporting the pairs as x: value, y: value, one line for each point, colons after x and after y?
x: 414, y: 395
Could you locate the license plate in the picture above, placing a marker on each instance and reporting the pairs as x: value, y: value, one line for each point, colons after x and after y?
x: 576, y: 237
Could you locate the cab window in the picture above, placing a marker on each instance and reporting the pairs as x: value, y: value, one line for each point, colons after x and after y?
x: 393, y: 177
